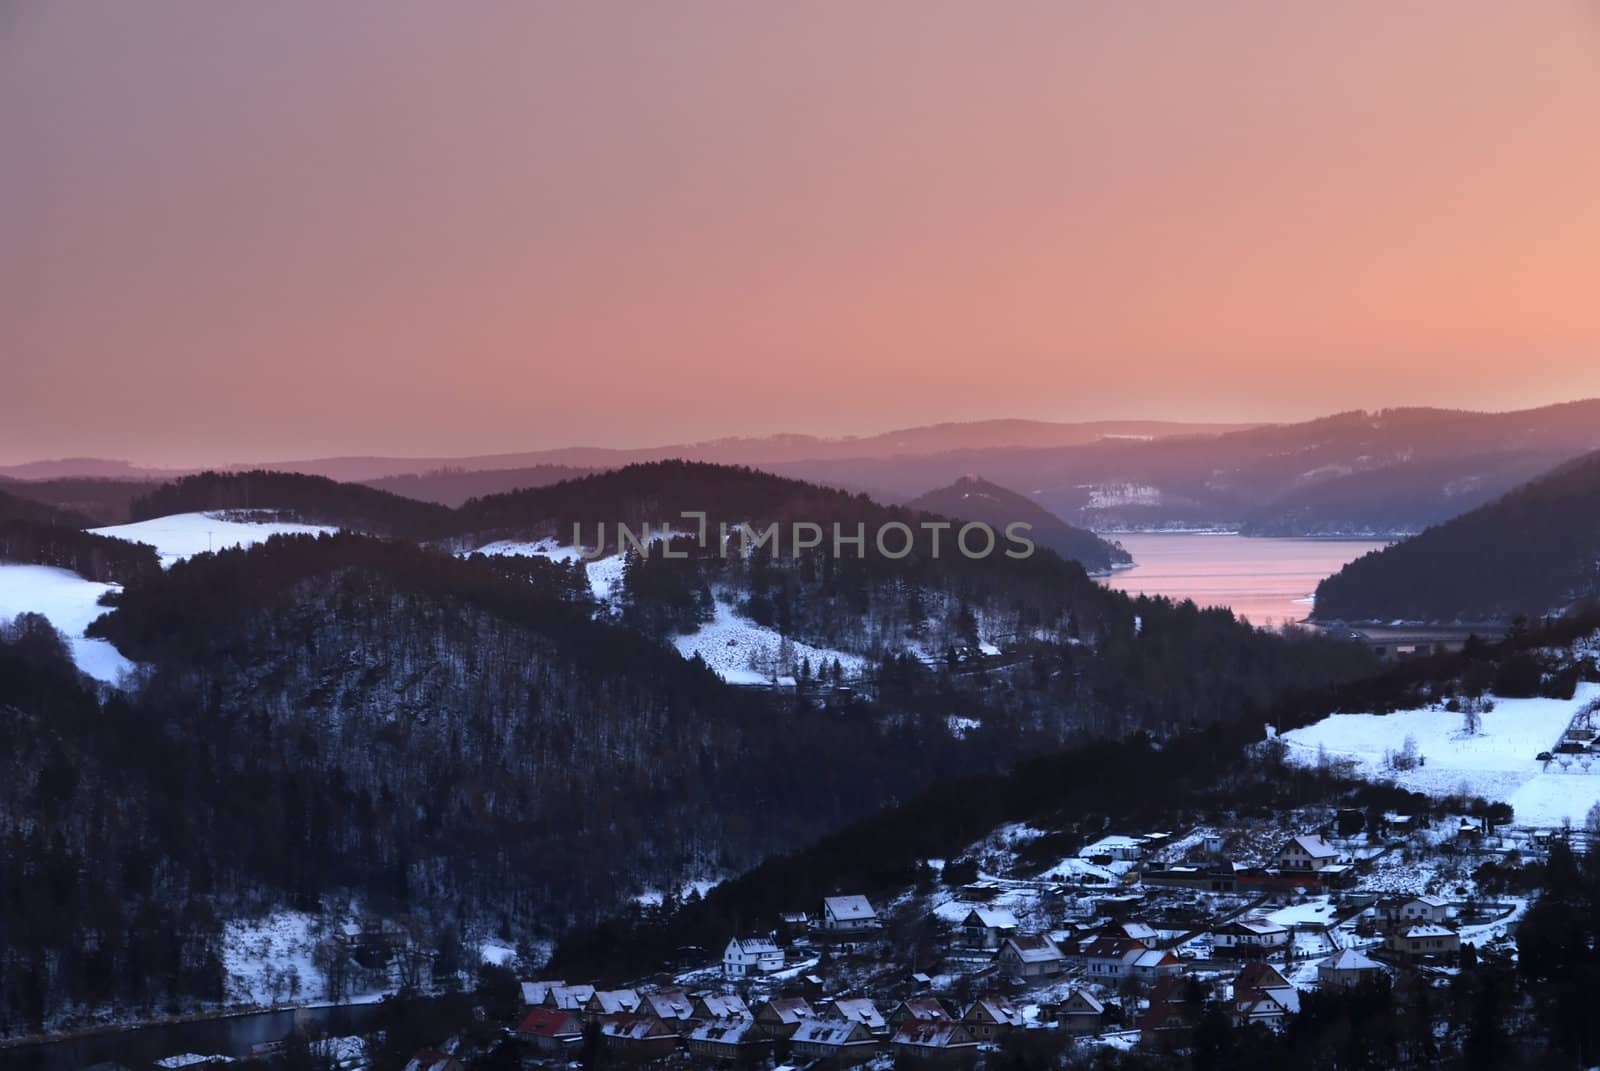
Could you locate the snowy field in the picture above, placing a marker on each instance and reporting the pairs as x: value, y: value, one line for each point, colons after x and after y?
x: 70, y: 602
x: 605, y: 574
x: 742, y: 652
x: 1498, y: 763
x: 183, y: 535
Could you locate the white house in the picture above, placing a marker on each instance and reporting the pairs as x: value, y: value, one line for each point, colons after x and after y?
x: 986, y: 927
x: 1309, y: 852
x: 1121, y: 849
x: 1346, y: 968
x: 1028, y: 955
x: 1414, y: 909
x: 848, y: 913
x: 745, y: 956
x: 1252, y: 935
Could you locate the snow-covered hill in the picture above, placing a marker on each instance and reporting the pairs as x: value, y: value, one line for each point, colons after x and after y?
x: 183, y: 535
x: 70, y: 602
x: 1498, y: 762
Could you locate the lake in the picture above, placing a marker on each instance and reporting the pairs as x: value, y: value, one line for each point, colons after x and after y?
x: 1269, y: 581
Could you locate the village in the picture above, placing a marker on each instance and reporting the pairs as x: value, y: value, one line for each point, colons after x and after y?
x: 1124, y: 943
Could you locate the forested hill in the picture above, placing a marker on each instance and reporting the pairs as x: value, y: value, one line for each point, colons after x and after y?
x: 35, y: 533
x: 308, y: 499
x: 1534, y: 551
x: 972, y: 498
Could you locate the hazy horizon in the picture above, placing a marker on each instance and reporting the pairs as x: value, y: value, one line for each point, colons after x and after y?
x: 269, y: 232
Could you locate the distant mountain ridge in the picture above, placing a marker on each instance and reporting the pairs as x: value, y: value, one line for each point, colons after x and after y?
x: 1532, y: 552
x: 972, y: 498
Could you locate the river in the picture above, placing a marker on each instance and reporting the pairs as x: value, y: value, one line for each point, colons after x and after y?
x: 232, y: 1036
x: 1268, y: 581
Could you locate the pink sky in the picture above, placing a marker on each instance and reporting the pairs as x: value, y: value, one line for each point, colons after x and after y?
x: 238, y: 231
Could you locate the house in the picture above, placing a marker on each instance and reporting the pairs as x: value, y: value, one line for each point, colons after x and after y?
x: 944, y: 1044
x: 536, y: 993
x: 992, y: 1017
x: 1155, y: 963
x: 1169, y: 1022
x: 433, y: 1060
x: 1029, y: 955
x: 792, y: 924
x: 1142, y: 932
x: 672, y: 1006
x: 550, y: 1030
x: 986, y: 927
x: 844, y: 1044
x: 721, y: 1006
x: 1260, y: 994
x: 848, y: 913
x: 920, y: 1010
x: 751, y: 955
x: 1413, y: 909
x: 1250, y: 937
x: 739, y: 1040
x: 1080, y: 1013
x: 1116, y: 849
x: 610, y: 1003
x: 1309, y: 853
x: 1422, y: 940
x: 780, y: 1016
x: 857, y: 1010
x: 568, y: 997
x: 1347, y: 968
x: 638, y: 1037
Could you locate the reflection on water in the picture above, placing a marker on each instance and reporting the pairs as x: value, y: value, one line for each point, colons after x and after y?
x: 1269, y: 581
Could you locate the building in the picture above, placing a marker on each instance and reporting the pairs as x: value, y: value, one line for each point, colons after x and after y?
x: 1347, y: 968
x: 920, y: 1010
x: 739, y: 1040
x: 986, y: 927
x: 992, y: 1017
x: 1029, y: 955
x: 536, y: 993
x: 1413, y: 909
x: 638, y: 1037
x: 1260, y: 994
x: 672, y: 1006
x: 568, y: 997
x: 780, y: 1016
x: 1169, y: 1022
x: 1080, y: 1013
x: 1424, y: 940
x: 848, y: 913
x: 843, y: 1044
x: 550, y: 1031
x: 857, y: 1010
x: 745, y: 956
x: 1116, y: 849
x: 1250, y: 937
x: 1307, y: 853
x: 947, y: 1044
x: 721, y: 1006
x: 610, y: 1003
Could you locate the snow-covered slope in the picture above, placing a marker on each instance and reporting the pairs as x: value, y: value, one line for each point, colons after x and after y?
x: 183, y: 535
x: 1499, y: 762
x: 605, y: 574
x: 743, y: 652
x: 70, y: 602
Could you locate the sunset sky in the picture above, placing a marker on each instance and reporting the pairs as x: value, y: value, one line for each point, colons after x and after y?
x: 236, y: 231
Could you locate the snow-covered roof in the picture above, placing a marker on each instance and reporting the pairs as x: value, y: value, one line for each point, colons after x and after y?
x: 616, y: 1001
x: 993, y: 918
x: 1314, y: 846
x: 753, y: 946
x: 1033, y: 947
x: 730, y: 1031
x: 1110, y: 845
x: 1349, y: 959
x: 725, y: 1006
x: 535, y: 992
x: 849, y: 908
x: 1428, y: 930
x: 860, y: 1010
x: 1085, y: 998
x: 832, y: 1032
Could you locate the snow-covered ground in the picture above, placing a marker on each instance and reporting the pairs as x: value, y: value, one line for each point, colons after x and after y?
x: 743, y: 652
x: 605, y: 574
x: 269, y: 960
x: 183, y: 535
x: 70, y: 602
x: 1498, y: 762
